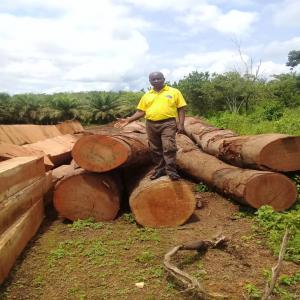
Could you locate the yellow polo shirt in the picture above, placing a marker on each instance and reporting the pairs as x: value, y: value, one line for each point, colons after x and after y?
x: 161, y: 105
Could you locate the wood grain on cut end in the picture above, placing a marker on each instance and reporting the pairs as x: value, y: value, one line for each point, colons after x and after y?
x: 271, y: 189
x: 87, y: 195
x: 162, y: 203
x: 282, y: 154
x: 100, y: 153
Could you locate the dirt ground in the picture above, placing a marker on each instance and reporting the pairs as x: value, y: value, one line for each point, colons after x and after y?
x: 106, y: 260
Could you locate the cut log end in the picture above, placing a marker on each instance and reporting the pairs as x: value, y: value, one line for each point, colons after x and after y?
x: 86, y: 196
x: 271, y: 189
x: 163, y: 203
x: 100, y: 153
x: 282, y: 154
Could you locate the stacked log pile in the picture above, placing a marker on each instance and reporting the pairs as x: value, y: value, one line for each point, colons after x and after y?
x: 23, y: 182
x: 26, y: 153
x: 154, y: 204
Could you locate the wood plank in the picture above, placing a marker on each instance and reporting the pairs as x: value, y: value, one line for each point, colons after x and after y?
x: 14, y: 240
x: 58, y: 148
x: 8, y: 151
x: 19, y: 172
x: 13, y: 207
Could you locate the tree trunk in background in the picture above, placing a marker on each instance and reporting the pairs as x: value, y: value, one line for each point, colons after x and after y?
x: 274, y: 151
x: 102, y: 153
x: 161, y: 202
x: 251, y: 187
x: 82, y: 195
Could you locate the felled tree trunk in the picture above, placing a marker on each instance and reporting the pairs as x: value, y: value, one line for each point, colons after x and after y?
x: 102, y: 153
x: 251, y: 187
x: 278, y: 152
x: 82, y: 195
x: 161, y: 202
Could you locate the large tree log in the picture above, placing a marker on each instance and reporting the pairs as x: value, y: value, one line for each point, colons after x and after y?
x: 278, y: 152
x: 101, y: 153
x: 83, y: 195
x: 14, y: 239
x: 17, y: 173
x: 251, y: 187
x: 161, y: 202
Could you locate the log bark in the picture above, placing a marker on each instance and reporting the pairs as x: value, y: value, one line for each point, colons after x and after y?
x: 83, y: 195
x: 251, y: 187
x: 16, y: 237
x: 102, y: 153
x: 274, y: 151
x: 161, y: 202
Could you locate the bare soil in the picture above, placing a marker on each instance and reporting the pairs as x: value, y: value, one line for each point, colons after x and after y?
x: 106, y: 262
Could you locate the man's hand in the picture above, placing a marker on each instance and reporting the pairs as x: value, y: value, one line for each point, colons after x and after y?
x: 121, y: 123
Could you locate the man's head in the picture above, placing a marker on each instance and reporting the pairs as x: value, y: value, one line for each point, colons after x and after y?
x: 157, y: 80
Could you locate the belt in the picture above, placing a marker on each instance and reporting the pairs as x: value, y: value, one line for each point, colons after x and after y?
x: 161, y: 121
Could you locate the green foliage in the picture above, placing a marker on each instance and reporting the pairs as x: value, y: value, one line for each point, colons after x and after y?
x: 273, y: 225
x: 289, y: 280
x: 145, y: 257
x: 85, y: 224
x: 293, y: 59
x: 201, y: 187
x: 252, y: 291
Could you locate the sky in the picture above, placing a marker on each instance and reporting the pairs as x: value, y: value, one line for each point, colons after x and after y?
x: 49, y: 46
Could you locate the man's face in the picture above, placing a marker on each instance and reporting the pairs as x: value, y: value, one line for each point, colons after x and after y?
x: 157, y: 80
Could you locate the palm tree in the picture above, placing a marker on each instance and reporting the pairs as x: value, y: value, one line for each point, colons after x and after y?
x: 103, y: 106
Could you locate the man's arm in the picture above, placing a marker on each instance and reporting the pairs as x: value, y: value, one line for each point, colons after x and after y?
x: 123, y: 122
x: 181, y: 117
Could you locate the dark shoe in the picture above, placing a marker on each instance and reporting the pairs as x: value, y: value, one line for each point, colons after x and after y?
x: 174, y: 177
x: 158, y: 174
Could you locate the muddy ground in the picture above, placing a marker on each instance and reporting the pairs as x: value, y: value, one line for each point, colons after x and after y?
x: 106, y: 260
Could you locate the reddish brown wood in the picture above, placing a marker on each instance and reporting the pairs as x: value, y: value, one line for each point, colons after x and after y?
x: 161, y: 202
x: 16, y: 237
x: 251, y: 187
x: 274, y: 151
x: 101, y: 153
x: 82, y: 195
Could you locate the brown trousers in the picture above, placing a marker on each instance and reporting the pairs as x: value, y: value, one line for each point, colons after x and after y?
x: 162, y: 143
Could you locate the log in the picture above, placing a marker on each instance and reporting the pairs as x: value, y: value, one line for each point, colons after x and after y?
x: 8, y: 151
x: 252, y: 187
x: 17, y: 173
x: 14, y: 206
x: 274, y: 151
x: 70, y: 127
x: 27, y: 134
x: 83, y: 195
x: 14, y: 240
x: 58, y: 148
x: 102, y: 153
x: 161, y: 202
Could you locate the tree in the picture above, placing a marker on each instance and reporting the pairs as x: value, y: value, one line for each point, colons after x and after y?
x: 197, y: 90
x: 293, y: 59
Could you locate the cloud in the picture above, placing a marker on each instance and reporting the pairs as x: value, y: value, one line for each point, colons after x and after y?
x: 88, y: 41
x: 286, y: 13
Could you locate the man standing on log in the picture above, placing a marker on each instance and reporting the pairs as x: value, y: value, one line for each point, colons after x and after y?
x: 161, y: 106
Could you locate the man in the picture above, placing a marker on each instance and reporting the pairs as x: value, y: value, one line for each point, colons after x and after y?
x: 161, y: 106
